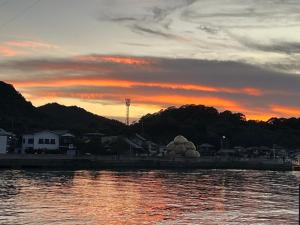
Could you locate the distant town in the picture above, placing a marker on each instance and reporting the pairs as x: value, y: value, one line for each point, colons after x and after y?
x: 64, y: 142
x: 190, y: 132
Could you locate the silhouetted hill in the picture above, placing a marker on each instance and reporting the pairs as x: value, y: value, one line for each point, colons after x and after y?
x: 198, y: 123
x: 15, y: 111
x: 19, y: 115
x: 13, y: 103
x: 79, y: 119
x: 203, y: 124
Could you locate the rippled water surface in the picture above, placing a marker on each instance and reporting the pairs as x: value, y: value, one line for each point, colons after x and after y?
x: 148, y: 197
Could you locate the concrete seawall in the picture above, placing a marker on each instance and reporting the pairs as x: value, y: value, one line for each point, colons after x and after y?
x: 97, y: 162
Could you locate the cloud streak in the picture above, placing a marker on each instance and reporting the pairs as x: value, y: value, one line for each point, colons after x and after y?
x: 7, y: 51
x: 168, y: 36
x: 157, y: 81
x: 30, y: 44
x: 287, y: 47
x: 15, y: 48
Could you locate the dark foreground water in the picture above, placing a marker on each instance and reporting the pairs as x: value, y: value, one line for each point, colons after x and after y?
x: 148, y: 197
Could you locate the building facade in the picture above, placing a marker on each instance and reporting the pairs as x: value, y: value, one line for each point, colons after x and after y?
x: 48, y: 140
x: 3, y: 144
x: 6, y: 139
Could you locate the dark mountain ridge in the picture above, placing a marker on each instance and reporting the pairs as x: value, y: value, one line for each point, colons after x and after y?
x: 79, y: 119
x: 202, y: 124
x: 198, y: 123
x: 13, y: 103
x: 19, y: 115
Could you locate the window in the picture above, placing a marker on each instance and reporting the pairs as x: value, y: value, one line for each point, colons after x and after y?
x: 30, y: 141
x: 52, y: 141
x: 23, y: 140
x: 47, y: 141
x: 41, y: 141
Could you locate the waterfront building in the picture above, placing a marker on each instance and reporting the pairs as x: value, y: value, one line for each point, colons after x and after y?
x: 48, y: 140
x: 139, y: 145
x: 228, y: 152
x: 107, y: 139
x: 6, y: 141
x: 95, y: 136
x: 133, y: 144
x: 207, y: 149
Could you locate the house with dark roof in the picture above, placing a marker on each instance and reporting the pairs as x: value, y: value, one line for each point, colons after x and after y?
x: 141, y: 145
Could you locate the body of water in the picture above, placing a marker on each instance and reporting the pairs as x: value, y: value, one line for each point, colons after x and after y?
x: 148, y: 197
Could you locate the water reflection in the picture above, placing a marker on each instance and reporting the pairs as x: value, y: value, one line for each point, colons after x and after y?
x: 148, y: 197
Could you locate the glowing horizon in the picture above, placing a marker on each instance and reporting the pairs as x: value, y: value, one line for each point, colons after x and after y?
x: 242, y: 57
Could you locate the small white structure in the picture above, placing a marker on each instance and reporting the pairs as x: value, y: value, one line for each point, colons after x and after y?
x: 5, y: 139
x: 47, y: 140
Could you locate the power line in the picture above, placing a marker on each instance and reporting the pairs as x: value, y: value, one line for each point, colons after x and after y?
x: 20, y: 13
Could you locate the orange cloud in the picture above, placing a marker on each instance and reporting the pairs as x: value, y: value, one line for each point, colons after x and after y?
x: 153, y: 82
x: 114, y: 59
x: 12, y: 48
x: 129, y: 84
x: 183, y: 100
x: 286, y: 111
x: 261, y: 116
x: 158, y: 101
x: 8, y: 52
x: 72, y: 67
x: 30, y: 44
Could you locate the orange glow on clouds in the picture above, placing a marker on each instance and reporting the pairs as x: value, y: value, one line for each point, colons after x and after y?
x: 16, y: 48
x: 153, y: 100
x: 286, y: 111
x: 183, y: 100
x: 114, y: 59
x: 145, y: 103
x: 261, y: 117
x: 89, y: 75
x: 150, y: 104
x: 30, y: 44
x: 129, y: 84
x: 8, y: 52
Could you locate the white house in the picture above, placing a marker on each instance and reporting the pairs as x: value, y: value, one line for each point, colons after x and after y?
x: 47, y: 140
x: 5, y: 141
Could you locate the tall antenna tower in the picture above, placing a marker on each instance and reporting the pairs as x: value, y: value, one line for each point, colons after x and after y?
x: 127, y: 103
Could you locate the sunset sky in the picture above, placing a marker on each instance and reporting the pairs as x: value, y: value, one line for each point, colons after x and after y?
x: 243, y: 56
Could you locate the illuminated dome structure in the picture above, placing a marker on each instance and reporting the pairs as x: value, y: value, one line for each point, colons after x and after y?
x: 181, y: 147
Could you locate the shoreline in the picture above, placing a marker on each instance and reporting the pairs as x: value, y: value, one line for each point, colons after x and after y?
x: 125, y: 162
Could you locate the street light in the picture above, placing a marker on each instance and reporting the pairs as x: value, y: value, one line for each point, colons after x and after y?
x: 223, y: 141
